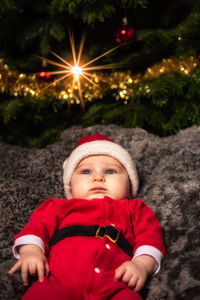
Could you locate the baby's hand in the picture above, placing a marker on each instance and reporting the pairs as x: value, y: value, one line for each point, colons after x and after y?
x: 134, y: 273
x: 32, y: 262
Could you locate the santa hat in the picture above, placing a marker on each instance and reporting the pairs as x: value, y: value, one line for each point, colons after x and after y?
x: 98, y: 145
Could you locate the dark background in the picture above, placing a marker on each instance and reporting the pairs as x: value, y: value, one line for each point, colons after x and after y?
x: 162, y: 30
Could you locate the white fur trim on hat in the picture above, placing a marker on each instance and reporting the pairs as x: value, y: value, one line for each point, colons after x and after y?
x: 99, y: 147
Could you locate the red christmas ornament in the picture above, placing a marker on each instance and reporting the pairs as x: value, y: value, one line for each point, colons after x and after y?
x: 125, y: 33
x: 44, y: 73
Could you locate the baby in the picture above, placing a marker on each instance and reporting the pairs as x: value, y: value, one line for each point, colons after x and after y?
x: 99, y: 244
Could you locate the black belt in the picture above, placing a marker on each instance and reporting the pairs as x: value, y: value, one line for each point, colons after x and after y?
x: 113, y: 234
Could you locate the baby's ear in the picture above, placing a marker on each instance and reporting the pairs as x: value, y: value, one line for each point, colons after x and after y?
x: 64, y: 164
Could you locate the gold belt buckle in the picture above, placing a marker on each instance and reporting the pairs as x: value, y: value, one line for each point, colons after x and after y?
x: 97, y: 232
x: 112, y: 240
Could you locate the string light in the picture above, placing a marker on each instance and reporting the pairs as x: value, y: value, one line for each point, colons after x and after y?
x: 120, y: 83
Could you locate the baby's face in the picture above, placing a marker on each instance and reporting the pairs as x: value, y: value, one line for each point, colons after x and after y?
x: 99, y: 176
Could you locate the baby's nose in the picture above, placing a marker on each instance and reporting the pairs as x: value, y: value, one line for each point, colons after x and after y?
x: 99, y: 177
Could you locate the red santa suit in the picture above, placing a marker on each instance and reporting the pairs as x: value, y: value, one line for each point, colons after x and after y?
x: 83, y: 267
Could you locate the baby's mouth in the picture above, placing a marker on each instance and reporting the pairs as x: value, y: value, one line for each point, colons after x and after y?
x: 98, y: 189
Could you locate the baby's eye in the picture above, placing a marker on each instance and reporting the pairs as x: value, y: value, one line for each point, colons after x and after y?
x: 86, y: 171
x: 110, y: 171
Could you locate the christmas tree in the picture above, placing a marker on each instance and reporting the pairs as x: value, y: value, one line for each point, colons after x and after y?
x: 146, y: 55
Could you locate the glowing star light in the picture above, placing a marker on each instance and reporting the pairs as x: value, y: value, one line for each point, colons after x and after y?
x: 76, y: 70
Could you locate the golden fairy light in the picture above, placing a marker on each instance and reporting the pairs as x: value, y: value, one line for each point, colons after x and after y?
x: 120, y: 84
x: 78, y: 70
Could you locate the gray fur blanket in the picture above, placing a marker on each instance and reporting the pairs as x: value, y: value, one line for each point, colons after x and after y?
x: 169, y: 171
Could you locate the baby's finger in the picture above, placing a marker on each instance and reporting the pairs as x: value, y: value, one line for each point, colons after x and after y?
x: 16, y: 267
x: 126, y: 277
x: 139, y: 285
x: 32, y: 269
x: 132, y: 282
x: 24, y: 273
x: 47, y: 269
x: 119, y: 272
x: 40, y: 270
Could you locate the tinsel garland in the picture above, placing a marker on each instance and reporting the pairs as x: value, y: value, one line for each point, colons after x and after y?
x: 119, y: 83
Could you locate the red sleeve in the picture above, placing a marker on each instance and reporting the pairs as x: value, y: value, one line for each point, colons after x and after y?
x: 147, y: 229
x: 43, y: 222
